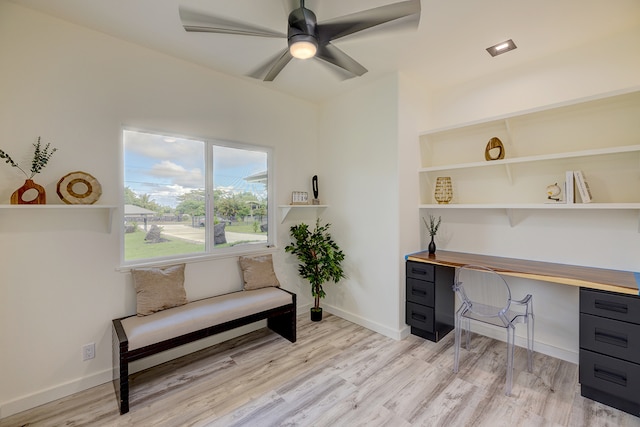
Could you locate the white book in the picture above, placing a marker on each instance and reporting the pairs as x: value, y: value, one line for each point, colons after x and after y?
x: 569, y: 194
x: 583, y: 187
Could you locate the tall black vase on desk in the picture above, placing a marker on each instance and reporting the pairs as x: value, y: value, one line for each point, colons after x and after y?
x: 432, y: 246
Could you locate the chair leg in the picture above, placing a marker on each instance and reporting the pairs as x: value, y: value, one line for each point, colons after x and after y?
x: 530, y: 326
x: 510, y: 347
x: 468, y: 333
x: 456, y: 344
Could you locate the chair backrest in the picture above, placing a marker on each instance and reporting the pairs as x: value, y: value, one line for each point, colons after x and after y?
x: 483, y: 292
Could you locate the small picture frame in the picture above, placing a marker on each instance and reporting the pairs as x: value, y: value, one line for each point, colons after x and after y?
x: 299, y: 198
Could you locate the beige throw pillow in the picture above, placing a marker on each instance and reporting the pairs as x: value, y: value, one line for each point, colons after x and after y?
x: 159, y: 288
x: 257, y: 272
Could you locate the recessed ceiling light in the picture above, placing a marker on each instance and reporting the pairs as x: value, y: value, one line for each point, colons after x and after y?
x: 501, y: 47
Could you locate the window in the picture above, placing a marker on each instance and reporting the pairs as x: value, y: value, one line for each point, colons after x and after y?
x: 188, y: 197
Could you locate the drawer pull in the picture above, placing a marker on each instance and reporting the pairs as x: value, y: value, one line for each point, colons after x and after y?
x: 415, y: 291
x: 607, y: 375
x: 417, y: 316
x: 611, y: 306
x: 415, y: 270
x: 612, y: 338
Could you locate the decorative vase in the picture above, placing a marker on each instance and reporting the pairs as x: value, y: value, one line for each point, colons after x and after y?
x: 316, y: 314
x: 40, y: 199
x: 444, y: 190
x: 432, y: 246
x: 491, y: 146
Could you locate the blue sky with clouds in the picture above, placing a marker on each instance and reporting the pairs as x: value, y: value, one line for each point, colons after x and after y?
x: 165, y: 166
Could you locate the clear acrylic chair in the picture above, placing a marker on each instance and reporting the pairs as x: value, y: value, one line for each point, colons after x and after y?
x: 485, y: 297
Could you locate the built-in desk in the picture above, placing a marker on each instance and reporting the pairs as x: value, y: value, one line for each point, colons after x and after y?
x: 609, y: 315
x: 623, y: 282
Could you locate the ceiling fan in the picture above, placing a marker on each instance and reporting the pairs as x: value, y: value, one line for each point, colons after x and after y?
x: 306, y: 37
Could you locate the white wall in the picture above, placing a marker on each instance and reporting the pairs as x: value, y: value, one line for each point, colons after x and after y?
x: 59, y: 288
x: 594, y: 238
x: 357, y: 160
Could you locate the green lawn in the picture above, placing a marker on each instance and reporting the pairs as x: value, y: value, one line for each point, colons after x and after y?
x: 242, y: 228
x: 137, y: 248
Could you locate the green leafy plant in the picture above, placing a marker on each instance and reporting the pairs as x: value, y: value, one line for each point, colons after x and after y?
x: 319, y: 256
x: 432, y: 225
x: 41, y: 157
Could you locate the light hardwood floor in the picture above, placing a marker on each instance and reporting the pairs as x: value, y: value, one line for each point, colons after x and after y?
x: 338, y: 374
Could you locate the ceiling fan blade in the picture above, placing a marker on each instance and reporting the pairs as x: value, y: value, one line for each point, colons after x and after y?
x: 199, y: 22
x: 277, y: 65
x: 335, y: 56
x: 349, y: 24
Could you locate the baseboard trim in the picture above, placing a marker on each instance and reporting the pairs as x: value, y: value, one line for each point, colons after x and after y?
x: 396, y: 334
x: 41, y: 397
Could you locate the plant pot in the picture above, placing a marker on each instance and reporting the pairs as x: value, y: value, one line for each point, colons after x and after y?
x: 316, y: 314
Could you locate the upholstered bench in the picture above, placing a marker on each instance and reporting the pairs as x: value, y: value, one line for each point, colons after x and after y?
x: 139, y: 336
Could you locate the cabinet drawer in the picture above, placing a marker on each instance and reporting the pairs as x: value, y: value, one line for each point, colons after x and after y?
x: 610, y: 305
x: 610, y: 337
x: 420, y: 271
x: 421, y: 292
x: 420, y: 316
x: 610, y: 375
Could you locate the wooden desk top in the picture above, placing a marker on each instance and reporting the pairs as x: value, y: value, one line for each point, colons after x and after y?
x: 625, y: 282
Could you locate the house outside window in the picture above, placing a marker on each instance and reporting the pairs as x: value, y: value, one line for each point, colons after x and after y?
x: 188, y: 197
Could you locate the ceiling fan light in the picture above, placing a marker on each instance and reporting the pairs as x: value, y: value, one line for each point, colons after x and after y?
x: 303, y: 49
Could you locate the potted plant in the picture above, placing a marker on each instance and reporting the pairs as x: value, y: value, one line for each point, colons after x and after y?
x: 432, y: 229
x: 40, y: 159
x: 320, y: 260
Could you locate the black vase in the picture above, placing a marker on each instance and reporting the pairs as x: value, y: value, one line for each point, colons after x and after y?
x: 432, y: 246
x: 316, y: 314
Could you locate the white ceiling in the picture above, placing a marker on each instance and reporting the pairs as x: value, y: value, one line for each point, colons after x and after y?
x: 447, y: 48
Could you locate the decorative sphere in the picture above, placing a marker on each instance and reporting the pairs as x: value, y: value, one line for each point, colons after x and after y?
x: 553, y: 190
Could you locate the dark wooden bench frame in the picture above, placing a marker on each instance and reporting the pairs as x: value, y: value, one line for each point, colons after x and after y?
x: 281, y: 320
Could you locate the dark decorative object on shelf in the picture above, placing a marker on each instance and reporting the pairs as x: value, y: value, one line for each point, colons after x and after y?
x: 432, y: 228
x: 314, y: 186
x: 432, y: 246
x: 320, y: 260
x: 40, y: 159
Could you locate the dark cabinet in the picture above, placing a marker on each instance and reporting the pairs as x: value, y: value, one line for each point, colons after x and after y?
x: 430, y: 300
x: 610, y: 349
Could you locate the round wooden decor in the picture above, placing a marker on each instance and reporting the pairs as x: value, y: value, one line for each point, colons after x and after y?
x: 79, y: 188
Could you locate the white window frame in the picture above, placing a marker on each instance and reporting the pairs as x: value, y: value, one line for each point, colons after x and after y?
x: 210, y: 252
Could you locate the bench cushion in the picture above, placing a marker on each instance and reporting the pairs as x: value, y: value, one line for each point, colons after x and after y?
x: 196, y: 315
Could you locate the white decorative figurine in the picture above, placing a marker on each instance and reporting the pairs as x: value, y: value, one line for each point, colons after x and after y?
x: 553, y: 192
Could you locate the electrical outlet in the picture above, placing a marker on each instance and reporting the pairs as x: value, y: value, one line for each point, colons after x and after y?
x: 88, y: 351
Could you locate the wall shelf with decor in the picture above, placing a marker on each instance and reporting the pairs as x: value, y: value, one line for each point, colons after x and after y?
x: 109, y: 209
x: 285, y: 209
x: 510, y: 209
x: 598, y: 136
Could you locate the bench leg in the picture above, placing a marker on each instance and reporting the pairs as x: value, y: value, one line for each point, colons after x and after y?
x: 123, y: 386
x: 120, y: 374
x: 284, y: 324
